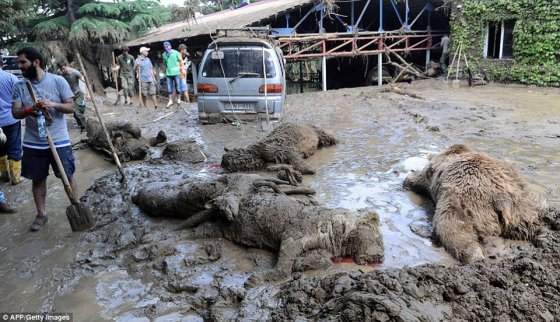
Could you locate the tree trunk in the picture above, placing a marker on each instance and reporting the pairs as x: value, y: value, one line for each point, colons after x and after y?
x: 93, y: 73
x: 71, y: 15
x: 92, y: 68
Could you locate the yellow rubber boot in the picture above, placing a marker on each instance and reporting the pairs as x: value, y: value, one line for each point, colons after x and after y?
x: 4, y: 174
x: 15, y: 171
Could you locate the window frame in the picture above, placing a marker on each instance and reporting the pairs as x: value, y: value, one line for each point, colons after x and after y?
x: 501, y: 25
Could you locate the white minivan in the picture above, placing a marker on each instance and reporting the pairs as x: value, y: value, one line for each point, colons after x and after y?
x: 11, y: 65
x: 241, y: 78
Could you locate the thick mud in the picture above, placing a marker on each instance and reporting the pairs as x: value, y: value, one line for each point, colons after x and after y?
x: 136, y: 266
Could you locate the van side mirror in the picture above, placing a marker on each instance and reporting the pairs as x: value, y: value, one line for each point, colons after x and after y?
x: 217, y: 54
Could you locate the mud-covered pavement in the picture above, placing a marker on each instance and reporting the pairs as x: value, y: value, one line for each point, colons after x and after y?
x: 136, y: 266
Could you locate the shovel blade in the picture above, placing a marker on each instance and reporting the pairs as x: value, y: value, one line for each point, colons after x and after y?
x: 79, y: 217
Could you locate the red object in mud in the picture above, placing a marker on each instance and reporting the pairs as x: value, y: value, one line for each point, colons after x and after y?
x: 215, y: 166
x: 338, y: 260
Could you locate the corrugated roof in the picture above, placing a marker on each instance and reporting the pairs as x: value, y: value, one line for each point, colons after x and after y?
x: 238, y: 18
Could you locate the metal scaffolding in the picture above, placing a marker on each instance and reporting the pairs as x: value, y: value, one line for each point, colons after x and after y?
x: 353, y: 42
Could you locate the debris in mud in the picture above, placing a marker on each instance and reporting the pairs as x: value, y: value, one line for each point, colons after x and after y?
x: 268, y: 213
x: 475, y: 197
x: 395, y: 89
x: 125, y: 136
x: 159, y: 140
x: 433, y: 69
x: 289, y: 143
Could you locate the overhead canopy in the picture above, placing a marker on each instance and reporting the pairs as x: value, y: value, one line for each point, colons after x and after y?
x: 233, y: 18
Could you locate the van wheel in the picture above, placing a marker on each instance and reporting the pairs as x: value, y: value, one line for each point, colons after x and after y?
x: 371, y: 78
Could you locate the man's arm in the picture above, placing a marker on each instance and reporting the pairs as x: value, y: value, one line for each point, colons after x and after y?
x: 117, y: 64
x: 17, y: 110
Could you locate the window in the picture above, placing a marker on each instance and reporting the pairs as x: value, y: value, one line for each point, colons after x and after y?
x: 246, y: 61
x: 499, y: 40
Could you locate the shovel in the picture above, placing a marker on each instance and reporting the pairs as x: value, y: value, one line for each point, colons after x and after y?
x: 116, y: 73
x: 77, y: 213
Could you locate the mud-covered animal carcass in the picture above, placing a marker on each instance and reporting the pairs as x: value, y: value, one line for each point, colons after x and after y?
x: 125, y: 136
x: 476, y: 197
x: 268, y: 213
x: 289, y: 143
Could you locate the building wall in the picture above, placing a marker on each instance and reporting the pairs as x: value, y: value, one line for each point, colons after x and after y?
x: 536, y: 38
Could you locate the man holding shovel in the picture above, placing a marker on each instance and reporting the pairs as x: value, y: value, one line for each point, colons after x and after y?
x: 55, y: 99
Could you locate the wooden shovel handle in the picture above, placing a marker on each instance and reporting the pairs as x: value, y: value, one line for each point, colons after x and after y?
x: 54, y: 152
x: 116, y: 73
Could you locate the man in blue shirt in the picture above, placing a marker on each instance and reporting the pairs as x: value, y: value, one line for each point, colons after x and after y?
x: 5, y: 81
x: 55, y: 96
x: 10, y: 152
x: 147, y: 79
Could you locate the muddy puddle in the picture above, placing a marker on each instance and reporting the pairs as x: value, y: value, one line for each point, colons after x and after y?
x: 113, y: 274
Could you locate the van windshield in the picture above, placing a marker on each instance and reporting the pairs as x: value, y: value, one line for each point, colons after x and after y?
x: 240, y: 61
x: 10, y: 63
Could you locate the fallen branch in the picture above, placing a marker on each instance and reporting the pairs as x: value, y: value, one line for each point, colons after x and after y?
x: 393, y: 88
x: 162, y: 117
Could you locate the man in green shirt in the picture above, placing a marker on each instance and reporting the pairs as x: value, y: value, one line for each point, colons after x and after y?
x: 125, y: 66
x: 172, y: 61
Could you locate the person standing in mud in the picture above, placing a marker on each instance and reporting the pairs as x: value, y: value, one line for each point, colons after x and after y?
x: 73, y: 77
x: 10, y: 151
x: 185, y: 63
x: 5, y: 208
x: 146, y: 76
x: 125, y: 66
x: 172, y: 60
x: 446, y: 46
x: 55, y: 97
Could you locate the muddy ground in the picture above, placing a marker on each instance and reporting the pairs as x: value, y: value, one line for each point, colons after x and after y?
x: 135, y: 266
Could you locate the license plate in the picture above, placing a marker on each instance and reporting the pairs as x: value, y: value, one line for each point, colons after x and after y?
x: 239, y: 106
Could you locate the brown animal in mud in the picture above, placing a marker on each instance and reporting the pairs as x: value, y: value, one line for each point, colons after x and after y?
x: 287, y: 144
x: 267, y: 213
x: 477, y: 196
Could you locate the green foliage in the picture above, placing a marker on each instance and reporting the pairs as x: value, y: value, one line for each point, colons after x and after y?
x: 15, y: 14
x: 536, y: 37
x: 41, y: 21
x: 100, y: 9
x: 101, y: 29
x: 53, y: 29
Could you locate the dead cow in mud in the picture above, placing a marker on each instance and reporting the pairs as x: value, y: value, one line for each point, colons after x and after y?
x: 289, y: 144
x: 125, y: 136
x: 267, y: 213
x: 476, y: 197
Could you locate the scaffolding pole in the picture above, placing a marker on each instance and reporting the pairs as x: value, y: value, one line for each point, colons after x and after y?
x: 324, y: 72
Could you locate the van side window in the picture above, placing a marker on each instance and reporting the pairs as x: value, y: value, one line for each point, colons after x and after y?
x: 239, y: 60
